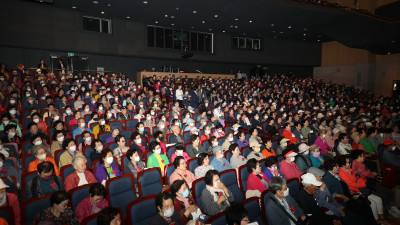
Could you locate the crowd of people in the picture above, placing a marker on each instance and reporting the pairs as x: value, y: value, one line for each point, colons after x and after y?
x: 331, y: 138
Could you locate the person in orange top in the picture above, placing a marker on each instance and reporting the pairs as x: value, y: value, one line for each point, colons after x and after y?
x: 287, y: 133
x: 40, y: 153
x: 37, y: 118
x: 268, y: 151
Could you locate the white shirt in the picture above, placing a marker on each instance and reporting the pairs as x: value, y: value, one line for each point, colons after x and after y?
x: 82, y: 179
x: 179, y: 94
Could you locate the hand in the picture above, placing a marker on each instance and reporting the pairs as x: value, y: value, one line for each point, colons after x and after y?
x: 375, y: 173
x: 373, y: 153
x: 221, y: 199
x: 192, y: 208
x: 342, y: 212
x: 337, y: 222
x: 276, y: 172
x: 323, y: 186
x: 303, y: 218
x: 330, y: 152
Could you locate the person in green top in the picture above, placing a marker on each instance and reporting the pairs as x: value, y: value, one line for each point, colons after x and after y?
x: 6, y: 119
x: 305, y: 130
x: 374, y: 138
x: 157, y: 159
x: 368, y: 147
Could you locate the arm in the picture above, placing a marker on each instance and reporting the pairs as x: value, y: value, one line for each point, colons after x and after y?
x: 210, y: 206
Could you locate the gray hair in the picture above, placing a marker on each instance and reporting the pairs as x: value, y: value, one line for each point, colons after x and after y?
x: 36, y: 148
x: 306, y: 184
x: 320, y: 132
x: 276, y: 184
x: 76, y: 159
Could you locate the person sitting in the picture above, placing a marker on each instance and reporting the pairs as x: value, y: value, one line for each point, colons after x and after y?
x: 282, y: 145
x: 183, y: 202
x: 306, y: 200
x: 176, y: 137
x: 228, y: 140
x: 189, y: 122
x: 194, y: 149
x: 268, y: 151
x: 143, y: 133
x: 344, y: 147
x: 33, y: 130
x: 77, y: 116
x: 166, y: 214
x: 97, y: 146
x: 256, y: 179
x: 138, y: 144
x: 39, y: 152
x: 281, y: 203
x: 39, y: 123
x: 271, y: 168
x: 121, y: 149
x: 92, y: 204
x: 216, y: 197
x: 58, y: 138
x: 207, y: 131
x: 37, y: 140
x: 107, y: 169
x: 11, y: 136
x: 179, y: 151
x: 135, y: 164
x: 321, y: 142
x: 81, y: 128
x: 219, y: 162
x: 101, y: 127
x: 219, y: 131
x: 236, y: 214
x: 114, y: 132
x: 388, y: 156
x: 288, y: 134
x: 81, y: 176
x: 288, y: 166
x: 181, y: 172
x: 58, y: 211
x: 10, y: 199
x: 242, y: 142
x: 44, y: 183
x: 303, y: 160
x: 316, y: 159
x: 70, y: 152
x: 255, y: 153
x: 87, y: 140
x: 6, y: 119
x: 203, y: 162
x: 157, y: 159
x: 237, y: 159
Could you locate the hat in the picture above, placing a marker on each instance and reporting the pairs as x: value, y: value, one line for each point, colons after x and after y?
x: 112, y: 128
x: 389, y: 142
x: 38, y: 70
x: 3, y: 185
x: 314, y: 147
x: 368, y: 124
x: 342, y: 128
x: 320, y: 115
x: 316, y: 171
x: 254, y: 144
x: 335, y: 131
x: 290, y: 154
x: 189, y: 121
x: 300, y: 111
x: 309, y: 178
x: 308, y: 112
x: 284, y: 140
x: 124, y: 107
x: 114, y: 104
x: 236, y: 126
x: 194, y: 129
x: 303, y: 147
x: 217, y: 149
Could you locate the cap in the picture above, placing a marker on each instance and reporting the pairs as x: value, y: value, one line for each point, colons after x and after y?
x: 254, y: 144
x: 2, y: 184
x: 123, y: 107
x: 194, y: 129
x: 320, y: 115
x: 284, y: 140
x: 354, y: 135
x: 217, y: 149
x: 114, y: 104
x: 314, y: 147
x: 290, y: 154
x: 189, y: 121
x: 389, y: 142
x: 342, y: 128
x: 309, y: 178
x: 300, y: 111
x: 236, y: 126
x: 335, y: 131
x: 316, y: 171
x: 368, y: 124
x: 303, y: 147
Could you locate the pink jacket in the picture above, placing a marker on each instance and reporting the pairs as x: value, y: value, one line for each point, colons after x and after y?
x: 185, y: 156
x: 290, y: 170
x: 254, y: 183
x: 323, y: 145
x: 84, y: 208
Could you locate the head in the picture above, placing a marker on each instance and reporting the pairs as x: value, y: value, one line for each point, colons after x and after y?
x: 69, y: 144
x: 39, y: 152
x: 331, y: 165
x: 59, y: 200
x: 179, y: 188
x: 120, y: 140
x: 105, y: 154
x: 236, y: 214
x: 278, y: 187
x: 79, y: 164
x: 109, y: 216
x: 211, y: 177
x: 45, y: 170
x: 344, y: 162
x: 253, y: 166
x: 203, y: 159
x: 165, y: 204
x: 343, y: 138
x: 97, y: 192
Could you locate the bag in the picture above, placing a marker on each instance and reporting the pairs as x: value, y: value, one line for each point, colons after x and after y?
x: 365, y: 191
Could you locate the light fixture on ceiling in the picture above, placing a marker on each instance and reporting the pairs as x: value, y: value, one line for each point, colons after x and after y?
x: 388, y: 53
x: 272, y: 25
x: 95, y: 2
x: 392, y: 41
x: 319, y: 40
x: 223, y: 31
x: 231, y: 25
x: 128, y: 17
x: 145, y: 2
x: 166, y: 15
x: 192, y: 27
x: 236, y: 19
x: 235, y: 26
x: 194, y: 11
x: 289, y: 27
x: 102, y: 12
x: 109, y: 5
x: 250, y: 21
x: 304, y: 39
x: 273, y: 31
x: 177, y: 8
x: 41, y: 1
x: 172, y: 17
x: 203, y: 21
x: 74, y: 7
x: 244, y: 33
x: 210, y: 29
x: 156, y: 21
x: 172, y: 24
x: 304, y: 34
x: 259, y: 35
x: 305, y: 28
x: 216, y: 15
x: 274, y: 36
x: 281, y: 32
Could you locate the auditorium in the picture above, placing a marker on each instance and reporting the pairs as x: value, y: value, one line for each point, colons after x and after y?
x: 224, y: 112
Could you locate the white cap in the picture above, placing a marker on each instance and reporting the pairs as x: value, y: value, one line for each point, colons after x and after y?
x: 309, y: 178
x: 2, y: 184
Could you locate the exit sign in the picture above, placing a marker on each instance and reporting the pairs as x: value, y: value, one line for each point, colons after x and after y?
x: 70, y: 54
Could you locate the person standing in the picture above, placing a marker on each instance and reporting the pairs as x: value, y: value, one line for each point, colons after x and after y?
x: 195, y: 100
x: 179, y: 95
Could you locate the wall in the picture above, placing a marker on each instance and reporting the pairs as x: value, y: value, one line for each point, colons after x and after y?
x: 384, y: 2
x: 335, y: 53
x: 47, y: 30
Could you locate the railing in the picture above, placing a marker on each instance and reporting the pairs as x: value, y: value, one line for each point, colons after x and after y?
x: 79, y: 71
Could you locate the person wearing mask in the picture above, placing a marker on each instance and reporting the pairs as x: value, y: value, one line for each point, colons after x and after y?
x: 101, y: 127
x: 184, y: 203
x: 7, y: 170
x: 135, y: 164
x: 92, y: 204
x: 10, y: 199
x: 268, y: 151
x: 11, y: 136
x: 242, y: 142
x: 219, y: 162
x: 303, y: 160
x: 176, y: 136
x: 44, y: 183
x: 58, y: 138
x: 271, y: 168
x: 166, y: 214
x: 70, y: 152
x: 282, y: 145
x: 207, y: 133
x: 256, y: 179
x: 315, y: 156
x: 157, y: 159
x: 107, y: 169
x: 281, y: 203
x: 162, y: 128
x: 181, y: 172
x: 138, y: 143
x: 180, y: 151
x: 86, y: 110
x: 97, y: 145
x: 6, y: 119
x: 216, y: 197
x: 121, y: 149
x: 321, y: 142
x: 255, y: 153
x: 288, y: 166
x: 203, y: 162
x: 81, y: 128
x: 30, y: 103
x: 219, y: 131
x: 194, y: 149
x: 143, y: 133
x: 114, y: 132
x: 59, y: 212
x: 237, y: 159
x: 87, y: 140
x: 80, y: 176
x: 39, y: 152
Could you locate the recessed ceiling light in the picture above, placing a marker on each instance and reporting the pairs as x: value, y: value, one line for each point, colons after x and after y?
x: 41, y: 1
x: 274, y: 36
x: 273, y: 31
x: 289, y: 27
x: 95, y: 2
x: 231, y: 25
x: 281, y: 32
x: 172, y: 24
x: 145, y: 2
x: 235, y: 26
x: 388, y: 53
x: 259, y: 35
x: 216, y: 15
x: 194, y: 11
x: 319, y: 40
x: 102, y: 12
x: 244, y: 33
x: 304, y: 34
x: 172, y: 17
x: 166, y: 15
x: 109, y: 5
x: 128, y: 17
x: 210, y: 29
x: 177, y: 8
x: 74, y: 7
x: 236, y: 19
x: 304, y: 39
x: 392, y: 41
x: 305, y: 28
x: 192, y: 27
x: 272, y: 25
x: 223, y: 31
x: 203, y: 21
x: 156, y: 21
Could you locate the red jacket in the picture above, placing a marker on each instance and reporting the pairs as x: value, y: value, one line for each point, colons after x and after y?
x: 84, y: 208
x: 289, y: 135
x: 290, y: 170
x: 72, y: 180
x: 13, y: 202
x: 359, y: 168
x: 254, y: 183
x: 351, y: 180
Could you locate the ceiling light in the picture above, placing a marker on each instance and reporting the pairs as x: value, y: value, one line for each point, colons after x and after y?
x: 244, y: 33
x: 128, y: 17
x: 274, y: 36
x: 250, y: 21
x: 41, y: 1
x: 289, y: 27
x: 305, y: 28
x: 231, y: 26
x: 272, y: 25
x: 203, y: 21
x: 216, y: 15
x: 172, y: 17
x: 319, y: 40
x: 166, y: 15
x: 192, y: 27
x: 273, y: 31
x: 281, y: 32
x: 223, y: 31
x: 210, y: 29
x: 95, y: 2
x: 304, y: 34
x: 304, y: 39
x: 109, y: 5
x: 177, y: 8
x: 156, y: 21
x: 259, y: 35
x: 388, y: 53
x: 392, y: 41
x: 172, y: 24
x: 145, y: 2
x: 194, y: 11
x: 236, y: 19
x: 74, y: 7
x: 235, y: 26
x: 102, y: 12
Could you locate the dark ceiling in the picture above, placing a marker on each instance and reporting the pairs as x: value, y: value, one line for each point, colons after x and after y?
x: 269, y: 19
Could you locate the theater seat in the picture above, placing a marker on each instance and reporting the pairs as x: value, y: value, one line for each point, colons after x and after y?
x: 25, y: 179
x: 33, y: 206
x: 217, y: 219
x: 170, y: 169
x: 243, y: 175
x: 294, y: 187
x: 7, y: 213
x: 253, y: 209
x: 246, y: 151
x: 142, y: 210
x: 150, y: 182
x: 65, y: 171
x: 26, y: 159
x: 121, y: 191
x: 229, y: 178
x: 11, y: 188
x: 78, y: 194
x: 192, y: 164
x: 197, y: 188
x: 265, y: 196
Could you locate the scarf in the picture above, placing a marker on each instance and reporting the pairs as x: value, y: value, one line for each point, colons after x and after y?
x: 185, y: 201
x: 212, y: 190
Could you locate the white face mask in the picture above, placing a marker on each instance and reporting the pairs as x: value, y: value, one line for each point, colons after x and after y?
x: 292, y: 159
x: 157, y: 151
x: 139, y: 141
x: 6, y: 123
x: 38, y: 143
x: 149, y: 118
x: 230, y: 139
x: 162, y: 126
x: 87, y: 110
x: 109, y: 114
x: 137, y: 159
x: 109, y: 160
x: 394, y: 148
x: 13, y: 111
x: 102, y: 122
x: 72, y: 148
x: 179, y: 152
x: 100, y: 108
x: 88, y: 139
x: 60, y: 139
x: 12, y: 134
x: 176, y: 124
x: 83, y: 124
x: 12, y: 101
x: 168, y: 213
x: 323, y: 136
x: 286, y: 193
x: 68, y: 111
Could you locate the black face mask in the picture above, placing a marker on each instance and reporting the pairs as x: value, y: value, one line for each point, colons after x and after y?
x: 161, y: 138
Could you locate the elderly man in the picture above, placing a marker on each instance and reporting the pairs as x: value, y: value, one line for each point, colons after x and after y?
x: 81, y: 176
x: 124, y: 114
x: 81, y: 128
x: 281, y: 204
x: 175, y: 137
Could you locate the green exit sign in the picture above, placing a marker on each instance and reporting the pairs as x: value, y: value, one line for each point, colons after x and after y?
x: 70, y: 54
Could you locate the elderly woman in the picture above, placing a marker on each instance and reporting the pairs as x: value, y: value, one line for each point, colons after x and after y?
x: 228, y: 140
x: 81, y: 176
x: 203, y: 162
x: 137, y: 143
x: 58, y: 138
x: 216, y: 197
x: 321, y: 142
x: 237, y: 159
x: 271, y: 168
x: 288, y: 166
x: 114, y: 131
x: 58, y: 210
x: 106, y: 169
x: 160, y: 139
x: 212, y: 142
x: 256, y: 179
x: 207, y: 133
x: 183, y: 203
x: 92, y: 204
x: 316, y: 159
x: 166, y: 213
x: 78, y: 103
x: 39, y: 152
x: 283, y: 143
x: 219, y: 162
x: 121, y: 149
x: 180, y: 151
x: 8, y: 170
x: 86, y: 110
x: 162, y: 128
x: 157, y: 159
x: 181, y: 172
x: 70, y: 152
x: 255, y: 151
x: 135, y: 164
x: 194, y: 149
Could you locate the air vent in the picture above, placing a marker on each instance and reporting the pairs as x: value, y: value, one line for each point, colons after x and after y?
x: 359, y: 80
x: 338, y: 70
x: 383, y: 73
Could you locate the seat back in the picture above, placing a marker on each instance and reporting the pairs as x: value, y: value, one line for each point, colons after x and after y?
x: 246, y: 152
x: 7, y: 213
x: 265, y: 196
x: 253, y: 209
x: 33, y: 206
x: 11, y: 188
x: 192, y: 164
x: 57, y: 155
x: 90, y: 220
x: 170, y: 151
x: 311, y: 138
x: 26, y: 159
x: 26, y: 145
x: 243, y: 175
x: 294, y: 187
x: 221, y: 140
x: 103, y: 136
x: 86, y: 152
x: 170, y: 169
x: 275, y: 145
x: 121, y: 191
x: 25, y: 179
x: 229, y: 179
x: 197, y: 188
x: 228, y: 156
x: 150, y: 182
x: 217, y: 219
x: 66, y: 170
x: 78, y: 194
x: 141, y: 210
x: 127, y: 134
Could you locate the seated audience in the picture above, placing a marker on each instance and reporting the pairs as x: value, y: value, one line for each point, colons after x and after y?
x: 303, y: 160
x: 283, y: 143
x: 181, y: 172
x: 268, y: 151
x: 316, y: 158
x: 58, y: 138
x: 180, y: 151
x: 137, y: 143
x: 97, y: 146
x: 39, y: 152
x: 255, y: 153
x: 194, y: 149
x: 203, y: 162
x: 166, y: 214
x: 70, y: 152
x: 271, y: 168
x: 256, y: 179
x: 322, y: 143
x: 121, y: 149
x: 109, y: 216
x: 288, y: 166
x: 135, y: 164
x: 107, y: 169
x: 157, y: 159
x: 80, y: 176
x: 219, y: 162
x: 237, y: 159
x: 92, y: 204
x: 10, y: 199
x: 183, y: 202
x: 236, y: 214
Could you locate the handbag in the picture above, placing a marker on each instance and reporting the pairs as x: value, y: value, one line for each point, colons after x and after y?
x: 365, y: 191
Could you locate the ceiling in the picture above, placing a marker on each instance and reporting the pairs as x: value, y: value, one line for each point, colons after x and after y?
x: 280, y: 19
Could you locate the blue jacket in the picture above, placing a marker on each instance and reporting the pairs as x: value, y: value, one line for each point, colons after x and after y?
x: 333, y: 184
x: 315, y: 161
x: 219, y: 166
x: 390, y: 158
x: 194, y: 100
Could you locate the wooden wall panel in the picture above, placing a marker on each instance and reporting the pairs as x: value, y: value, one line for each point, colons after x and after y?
x: 385, y: 58
x: 384, y: 2
x: 335, y: 53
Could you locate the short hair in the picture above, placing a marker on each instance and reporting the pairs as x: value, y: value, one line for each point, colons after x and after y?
x: 356, y: 153
x: 2, y: 157
x: 66, y: 142
x: 266, y: 140
x: 276, y: 184
x: 97, y: 189
x: 30, y: 125
x: 46, y: 167
x: 193, y: 138
x: 177, y: 161
x: 33, y: 138
x: 211, y: 140
x: 232, y: 147
x: 271, y: 161
x: 342, y: 136
x: 36, y: 148
x: 134, y: 135
x: 85, y: 132
x: 9, y: 127
x: 130, y: 153
x: 7, y: 114
x: 59, y: 196
x: 161, y: 197
x: 76, y: 159
x: 107, y: 215
x: 296, y: 124
x: 235, y: 213
x: 342, y: 160
x: 219, y: 126
x: 201, y: 157
x: 93, y: 144
x: 286, y: 124
x: 104, y: 153
x: 329, y: 164
x: 372, y: 130
x: 179, y: 146
x: 157, y: 134
x: 55, y: 133
x: 239, y: 134
x: 118, y: 138
x: 138, y: 125
x: 251, y: 164
x: 208, y: 178
x: 153, y: 145
x: 76, y: 112
x: 176, y: 186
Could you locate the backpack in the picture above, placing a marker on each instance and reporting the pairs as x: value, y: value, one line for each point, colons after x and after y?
x: 300, y: 156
